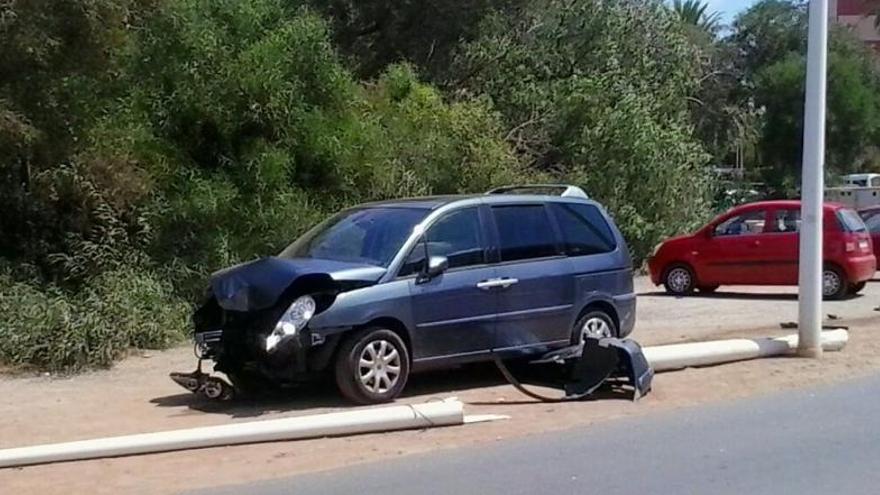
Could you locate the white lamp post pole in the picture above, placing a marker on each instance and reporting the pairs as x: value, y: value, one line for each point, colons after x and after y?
x: 812, y: 186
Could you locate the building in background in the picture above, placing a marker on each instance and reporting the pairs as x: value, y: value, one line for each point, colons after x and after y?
x: 860, y: 16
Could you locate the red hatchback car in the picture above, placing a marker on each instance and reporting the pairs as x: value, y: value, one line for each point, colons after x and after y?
x: 757, y: 244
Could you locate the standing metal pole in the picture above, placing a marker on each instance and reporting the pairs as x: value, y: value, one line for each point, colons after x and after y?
x: 812, y: 186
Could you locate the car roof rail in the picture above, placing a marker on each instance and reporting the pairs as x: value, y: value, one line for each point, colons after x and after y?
x: 563, y: 190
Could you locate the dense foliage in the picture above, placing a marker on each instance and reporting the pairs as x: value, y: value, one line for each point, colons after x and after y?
x: 146, y: 143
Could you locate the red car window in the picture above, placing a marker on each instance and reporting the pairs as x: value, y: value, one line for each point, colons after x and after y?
x: 786, y: 221
x: 872, y: 221
x: 748, y: 223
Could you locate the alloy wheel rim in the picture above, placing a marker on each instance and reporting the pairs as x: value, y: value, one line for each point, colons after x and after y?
x: 679, y: 279
x: 830, y: 282
x: 596, y: 328
x: 379, y: 366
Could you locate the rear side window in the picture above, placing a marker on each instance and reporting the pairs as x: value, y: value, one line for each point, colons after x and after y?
x: 584, y: 229
x: 851, y: 221
x: 872, y: 221
x: 524, y: 232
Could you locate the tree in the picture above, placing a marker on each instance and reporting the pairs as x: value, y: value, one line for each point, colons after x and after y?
x: 425, y: 33
x: 771, y: 41
x: 696, y: 13
x: 596, y: 93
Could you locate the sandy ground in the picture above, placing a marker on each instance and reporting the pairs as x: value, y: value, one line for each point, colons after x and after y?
x: 136, y: 396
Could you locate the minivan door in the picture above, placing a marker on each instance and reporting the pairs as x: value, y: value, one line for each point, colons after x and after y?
x: 535, y: 305
x: 454, y: 314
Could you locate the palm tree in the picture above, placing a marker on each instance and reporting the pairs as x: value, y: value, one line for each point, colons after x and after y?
x: 696, y: 13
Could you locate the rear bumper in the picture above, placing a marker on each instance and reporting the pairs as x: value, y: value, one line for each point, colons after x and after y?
x: 626, y: 312
x: 860, y: 269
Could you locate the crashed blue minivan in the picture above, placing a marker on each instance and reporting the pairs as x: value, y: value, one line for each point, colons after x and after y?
x: 385, y: 289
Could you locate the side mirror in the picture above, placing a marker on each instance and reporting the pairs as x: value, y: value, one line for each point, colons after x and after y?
x: 436, y: 266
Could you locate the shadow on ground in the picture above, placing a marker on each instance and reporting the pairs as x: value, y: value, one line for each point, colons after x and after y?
x: 745, y: 296
x: 323, y: 394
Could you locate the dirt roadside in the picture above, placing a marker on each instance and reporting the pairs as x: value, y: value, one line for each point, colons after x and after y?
x: 136, y: 396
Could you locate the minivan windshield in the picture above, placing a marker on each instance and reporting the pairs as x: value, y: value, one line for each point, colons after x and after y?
x: 371, y: 235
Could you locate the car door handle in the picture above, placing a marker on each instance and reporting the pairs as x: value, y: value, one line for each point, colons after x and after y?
x: 497, y: 282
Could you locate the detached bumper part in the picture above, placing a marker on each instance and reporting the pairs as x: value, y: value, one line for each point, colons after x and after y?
x: 579, y: 371
x: 197, y: 382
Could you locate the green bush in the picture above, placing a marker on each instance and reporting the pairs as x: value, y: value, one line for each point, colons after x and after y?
x: 47, y: 328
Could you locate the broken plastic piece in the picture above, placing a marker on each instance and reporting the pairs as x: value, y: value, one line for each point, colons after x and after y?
x: 196, y: 382
x: 580, y: 370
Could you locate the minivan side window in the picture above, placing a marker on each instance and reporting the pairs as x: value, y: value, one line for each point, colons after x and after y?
x: 584, y: 229
x: 455, y: 236
x: 524, y: 232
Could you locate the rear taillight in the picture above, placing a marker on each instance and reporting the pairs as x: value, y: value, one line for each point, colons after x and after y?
x: 865, y: 246
x: 850, y: 247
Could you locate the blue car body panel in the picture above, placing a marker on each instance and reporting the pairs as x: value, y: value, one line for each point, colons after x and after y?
x: 258, y: 284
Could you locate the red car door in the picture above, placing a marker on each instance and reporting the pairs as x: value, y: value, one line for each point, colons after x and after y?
x: 780, y: 246
x: 733, y: 252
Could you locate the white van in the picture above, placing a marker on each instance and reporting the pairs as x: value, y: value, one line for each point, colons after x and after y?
x: 862, y: 180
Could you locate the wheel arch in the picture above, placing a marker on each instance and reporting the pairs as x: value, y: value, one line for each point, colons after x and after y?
x: 395, y: 326
x: 683, y: 263
x: 600, y: 305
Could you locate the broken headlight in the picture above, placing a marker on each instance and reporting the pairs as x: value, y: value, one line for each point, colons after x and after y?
x: 292, y: 321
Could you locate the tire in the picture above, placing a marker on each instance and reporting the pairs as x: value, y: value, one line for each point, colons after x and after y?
x: 707, y: 289
x: 376, y: 383
x: 856, y: 288
x: 834, y: 283
x: 596, y: 322
x: 679, y: 280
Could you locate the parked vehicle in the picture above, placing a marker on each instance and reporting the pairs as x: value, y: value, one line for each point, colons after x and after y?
x: 383, y: 289
x: 854, y: 197
x: 871, y: 217
x: 757, y: 244
x: 862, y: 180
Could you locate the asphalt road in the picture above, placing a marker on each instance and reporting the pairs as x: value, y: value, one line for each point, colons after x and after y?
x: 814, y: 441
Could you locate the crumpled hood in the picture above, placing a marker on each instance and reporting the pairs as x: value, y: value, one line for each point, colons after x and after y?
x: 258, y: 284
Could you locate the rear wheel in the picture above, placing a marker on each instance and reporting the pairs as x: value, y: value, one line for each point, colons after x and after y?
x: 372, y: 366
x: 834, y: 283
x: 595, y: 324
x: 679, y: 280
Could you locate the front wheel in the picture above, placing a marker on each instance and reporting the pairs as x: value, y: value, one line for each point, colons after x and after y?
x: 679, y: 280
x: 834, y: 283
x: 372, y: 366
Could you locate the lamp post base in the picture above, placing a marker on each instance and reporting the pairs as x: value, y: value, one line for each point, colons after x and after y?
x: 810, y: 352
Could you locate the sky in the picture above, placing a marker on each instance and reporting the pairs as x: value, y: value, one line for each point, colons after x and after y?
x: 729, y: 8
